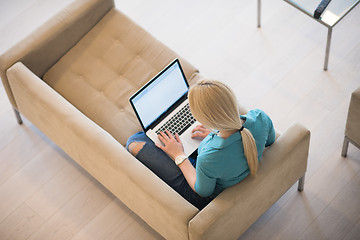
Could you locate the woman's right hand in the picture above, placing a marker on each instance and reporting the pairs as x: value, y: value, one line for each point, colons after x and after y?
x: 200, y: 132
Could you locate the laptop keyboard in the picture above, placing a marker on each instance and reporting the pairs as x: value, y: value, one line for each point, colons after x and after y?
x: 181, y: 121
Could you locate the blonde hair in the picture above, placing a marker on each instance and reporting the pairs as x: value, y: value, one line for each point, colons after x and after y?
x: 214, y: 105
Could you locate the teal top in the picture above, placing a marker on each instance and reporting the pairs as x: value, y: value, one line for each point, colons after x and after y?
x: 221, y: 163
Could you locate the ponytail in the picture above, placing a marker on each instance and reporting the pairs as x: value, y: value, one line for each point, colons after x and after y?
x: 250, y: 150
x: 214, y: 105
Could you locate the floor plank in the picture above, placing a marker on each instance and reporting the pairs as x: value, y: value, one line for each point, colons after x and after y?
x: 108, y: 224
x: 26, y: 181
x: 20, y: 224
x: 339, y: 217
x: 20, y: 150
x: 59, y: 190
x: 75, y: 214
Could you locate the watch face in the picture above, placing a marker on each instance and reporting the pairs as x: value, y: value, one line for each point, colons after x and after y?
x: 180, y: 159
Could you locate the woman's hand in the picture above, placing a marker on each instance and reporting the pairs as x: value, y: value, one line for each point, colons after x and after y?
x: 200, y: 132
x: 172, y: 146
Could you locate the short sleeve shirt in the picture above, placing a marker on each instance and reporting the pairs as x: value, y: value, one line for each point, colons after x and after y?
x: 221, y: 163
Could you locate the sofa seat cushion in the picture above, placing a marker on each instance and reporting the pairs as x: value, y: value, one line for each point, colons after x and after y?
x: 109, y: 64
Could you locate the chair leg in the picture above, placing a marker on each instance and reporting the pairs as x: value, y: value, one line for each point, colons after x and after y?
x: 345, y: 147
x: 18, y: 117
x: 301, y: 184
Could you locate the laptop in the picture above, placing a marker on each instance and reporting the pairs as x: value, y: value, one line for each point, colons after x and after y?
x: 162, y: 103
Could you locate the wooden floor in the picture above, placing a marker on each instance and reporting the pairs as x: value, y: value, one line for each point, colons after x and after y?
x: 278, y: 68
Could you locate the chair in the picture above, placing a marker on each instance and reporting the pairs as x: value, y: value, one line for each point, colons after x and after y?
x: 352, y: 129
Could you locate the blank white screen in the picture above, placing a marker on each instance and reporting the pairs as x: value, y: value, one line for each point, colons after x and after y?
x: 160, y: 95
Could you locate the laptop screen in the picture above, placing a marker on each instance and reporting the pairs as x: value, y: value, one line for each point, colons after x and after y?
x: 159, y: 94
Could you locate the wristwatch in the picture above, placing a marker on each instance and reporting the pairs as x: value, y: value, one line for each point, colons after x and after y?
x: 179, y: 159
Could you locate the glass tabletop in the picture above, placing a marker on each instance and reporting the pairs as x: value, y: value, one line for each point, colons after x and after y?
x: 334, y: 12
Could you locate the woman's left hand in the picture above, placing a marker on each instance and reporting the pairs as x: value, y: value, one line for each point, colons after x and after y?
x: 172, y: 145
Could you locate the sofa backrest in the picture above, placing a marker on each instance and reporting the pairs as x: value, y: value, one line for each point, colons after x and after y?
x: 42, y: 48
x: 109, y: 64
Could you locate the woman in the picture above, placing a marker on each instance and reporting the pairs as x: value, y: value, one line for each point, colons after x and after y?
x: 231, y: 148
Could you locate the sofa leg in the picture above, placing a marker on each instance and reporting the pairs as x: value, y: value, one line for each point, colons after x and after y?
x: 301, y: 184
x: 345, y: 147
x: 18, y: 117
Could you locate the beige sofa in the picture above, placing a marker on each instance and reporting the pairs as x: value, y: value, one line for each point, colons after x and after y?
x: 72, y: 79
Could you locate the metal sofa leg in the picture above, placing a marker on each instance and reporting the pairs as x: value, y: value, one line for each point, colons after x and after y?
x: 18, y: 117
x: 345, y: 147
x: 301, y: 184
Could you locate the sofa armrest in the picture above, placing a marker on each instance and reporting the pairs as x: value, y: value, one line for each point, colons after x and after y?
x: 238, y: 207
x: 101, y: 155
x: 45, y: 46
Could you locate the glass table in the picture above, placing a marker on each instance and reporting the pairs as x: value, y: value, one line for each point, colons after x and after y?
x: 335, y: 11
